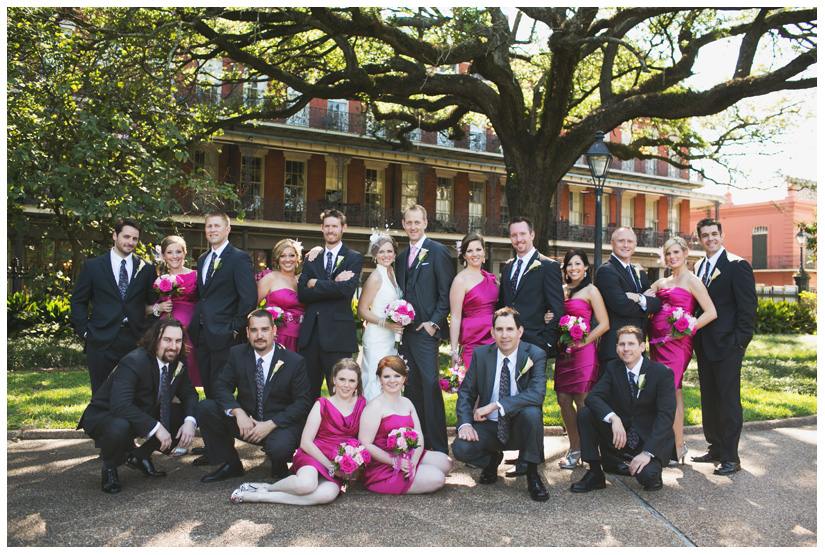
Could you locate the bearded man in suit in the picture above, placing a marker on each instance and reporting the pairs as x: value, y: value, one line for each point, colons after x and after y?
x: 136, y: 400
x: 720, y: 345
x: 270, y: 408
x: 425, y: 273
x: 109, y: 302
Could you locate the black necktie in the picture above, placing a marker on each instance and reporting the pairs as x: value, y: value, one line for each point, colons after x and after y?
x: 634, y: 279
x: 514, y: 278
x: 260, y: 383
x: 123, y: 279
x: 504, y: 391
x: 329, y: 264
x: 706, y: 279
x: 165, y: 400
x: 632, y: 434
x: 211, y: 268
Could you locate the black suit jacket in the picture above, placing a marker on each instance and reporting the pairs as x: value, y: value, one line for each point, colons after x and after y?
x: 613, y: 282
x: 97, y: 307
x: 539, y: 290
x: 226, y: 301
x: 479, y: 381
x: 131, y: 392
x: 651, y: 413
x: 286, y: 394
x: 329, y: 303
x: 733, y: 292
x: 426, y: 285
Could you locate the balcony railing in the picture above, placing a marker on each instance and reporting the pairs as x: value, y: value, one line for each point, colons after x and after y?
x: 645, y: 237
x: 778, y: 262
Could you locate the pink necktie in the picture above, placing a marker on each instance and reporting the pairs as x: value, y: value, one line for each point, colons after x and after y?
x: 413, y: 250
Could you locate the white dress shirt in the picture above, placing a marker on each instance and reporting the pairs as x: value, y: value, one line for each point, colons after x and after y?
x: 526, y: 258
x: 511, y: 364
x: 116, y: 259
x: 218, y: 251
x: 642, y: 299
x: 161, y: 364
x: 713, y: 260
x: 267, y: 358
x: 334, y: 250
x: 635, y: 371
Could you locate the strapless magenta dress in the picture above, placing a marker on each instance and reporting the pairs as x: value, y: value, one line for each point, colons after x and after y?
x: 182, y: 308
x: 581, y: 372
x: 380, y: 477
x: 335, y: 429
x: 287, y: 300
x: 673, y: 353
x: 477, y: 316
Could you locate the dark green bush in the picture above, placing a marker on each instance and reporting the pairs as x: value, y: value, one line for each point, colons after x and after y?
x: 785, y: 317
x: 28, y: 352
x: 38, y: 314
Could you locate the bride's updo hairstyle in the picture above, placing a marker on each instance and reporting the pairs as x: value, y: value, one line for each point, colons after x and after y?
x: 348, y: 364
x: 465, y: 243
x: 676, y: 240
x: 376, y: 245
x: 394, y: 362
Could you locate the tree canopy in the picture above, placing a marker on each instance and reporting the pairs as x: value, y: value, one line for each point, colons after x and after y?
x: 546, y: 79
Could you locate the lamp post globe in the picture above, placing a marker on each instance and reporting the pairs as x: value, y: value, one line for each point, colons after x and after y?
x: 598, y: 160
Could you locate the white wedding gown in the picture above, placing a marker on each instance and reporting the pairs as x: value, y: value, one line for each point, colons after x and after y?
x: 378, y: 342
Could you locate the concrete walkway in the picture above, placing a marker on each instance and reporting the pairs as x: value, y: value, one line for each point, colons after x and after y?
x: 54, y: 499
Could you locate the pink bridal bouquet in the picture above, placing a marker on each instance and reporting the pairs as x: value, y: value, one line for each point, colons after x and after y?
x: 351, y: 456
x: 402, y: 442
x: 277, y: 314
x: 399, y: 312
x: 573, y: 329
x: 168, y: 286
x: 681, y: 323
x: 451, y: 378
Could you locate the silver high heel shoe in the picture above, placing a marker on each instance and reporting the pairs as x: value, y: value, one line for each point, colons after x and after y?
x: 681, y: 458
x: 571, y: 459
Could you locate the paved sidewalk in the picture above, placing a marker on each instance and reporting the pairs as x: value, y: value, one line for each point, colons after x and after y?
x: 54, y: 499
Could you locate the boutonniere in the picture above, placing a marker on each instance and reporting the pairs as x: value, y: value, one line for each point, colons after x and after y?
x: 178, y: 370
x: 338, y: 261
x: 642, y: 379
x: 527, y: 366
x: 715, y: 274
x: 277, y: 367
x: 140, y: 266
x: 534, y: 265
x: 422, y: 254
x: 217, y: 264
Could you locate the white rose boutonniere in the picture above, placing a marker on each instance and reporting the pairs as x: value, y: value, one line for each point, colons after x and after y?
x: 642, y: 379
x: 716, y: 273
x: 140, y: 266
x: 534, y: 265
x: 422, y: 254
x: 527, y: 366
x: 338, y: 261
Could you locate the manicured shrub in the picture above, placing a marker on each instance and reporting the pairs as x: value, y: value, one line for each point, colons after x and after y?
x: 38, y: 314
x: 26, y: 353
x: 786, y: 317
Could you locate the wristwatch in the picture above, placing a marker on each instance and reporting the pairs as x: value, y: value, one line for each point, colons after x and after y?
x: 433, y: 324
x: 155, y: 310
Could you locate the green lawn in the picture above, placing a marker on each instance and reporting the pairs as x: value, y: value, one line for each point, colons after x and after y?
x: 778, y: 381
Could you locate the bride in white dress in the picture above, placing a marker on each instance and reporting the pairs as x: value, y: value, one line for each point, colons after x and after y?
x: 380, y: 290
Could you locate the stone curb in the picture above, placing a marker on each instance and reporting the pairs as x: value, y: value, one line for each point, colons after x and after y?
x: 18, y: 435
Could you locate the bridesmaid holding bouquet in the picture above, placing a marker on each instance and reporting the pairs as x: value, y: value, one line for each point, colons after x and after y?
x: 280, y: 288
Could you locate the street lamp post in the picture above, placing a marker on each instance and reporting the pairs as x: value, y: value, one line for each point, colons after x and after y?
x: 802, y: 277
x: 598, y: 160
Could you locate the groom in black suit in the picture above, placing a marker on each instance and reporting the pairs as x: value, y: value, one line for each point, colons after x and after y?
x: 628, y: 413
x: 136, y: 400
x: 327, y: 285
x: 720, y: 346
x: 532, y: 284
x: 425, y: 273
x: 270, y: 409
x: 614, y: 279
x: 226, y: 294
x: 507, y: 381
x: 109, y: 302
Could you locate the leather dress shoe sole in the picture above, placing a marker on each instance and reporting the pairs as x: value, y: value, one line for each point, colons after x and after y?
x: 727, y: 468
x: 519, y: 470
x: 203, y: 460
x: 621, y: 470
x: 706, y: 458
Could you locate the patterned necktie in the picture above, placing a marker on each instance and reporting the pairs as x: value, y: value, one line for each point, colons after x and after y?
x: 514, y: 277
x: 632, y: 434
x: 123, y: 279
x: 706, y: 279
x: 210, y: 269
x: 411, y: 258
x: 329, y: 264
x: 165, y: 400
x: 634, y: 279
x: 260, y: 383
x: 504, y: 391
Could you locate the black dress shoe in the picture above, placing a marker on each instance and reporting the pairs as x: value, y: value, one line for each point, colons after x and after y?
x: 227, y: 470
x: 536, y: 488
x: 519, y: 470
x: 589, y: 482
x: 109, y: 480
x: 203, y: 460
x: 655, y: 486
x: 489, y: 475
x: 145, y: 466
x: 622, y: 469
x: 727, y: 468
x: 198, y: 450
x: 706, y: 458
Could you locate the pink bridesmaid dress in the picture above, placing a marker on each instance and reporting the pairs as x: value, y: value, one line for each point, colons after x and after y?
x: 673, y: 353
x: 383, y: 478
x: 580, y: 372
x: 477, y: 316
x: 287, y: 300
x: 183, y: 306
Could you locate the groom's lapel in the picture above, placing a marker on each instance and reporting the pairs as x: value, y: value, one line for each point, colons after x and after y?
x: 417, y: 262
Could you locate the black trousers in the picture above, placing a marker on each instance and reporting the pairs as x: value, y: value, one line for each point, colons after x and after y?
x: 422, y: 389
x: 219, y: 432
x: 719, y: 384
x: 115, y: 437
x: 597, y: 435
x: 526, y: 434
x: 320, y: 363
x: 101, y: 361
x: 210, y: 362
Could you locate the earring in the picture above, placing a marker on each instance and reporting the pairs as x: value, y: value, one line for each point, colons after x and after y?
x: 333, y: 390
